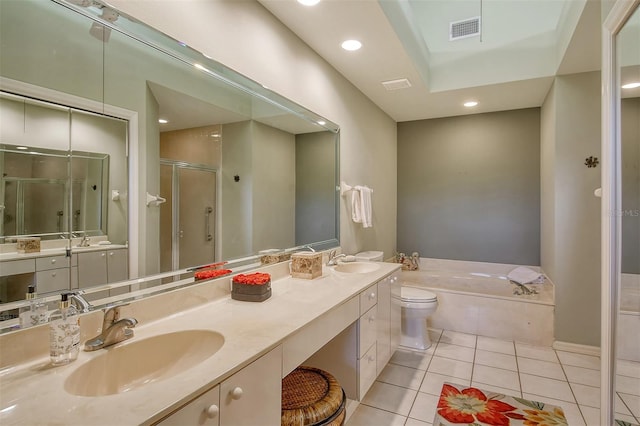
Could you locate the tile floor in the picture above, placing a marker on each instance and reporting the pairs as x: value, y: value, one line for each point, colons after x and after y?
x: 407, y: 390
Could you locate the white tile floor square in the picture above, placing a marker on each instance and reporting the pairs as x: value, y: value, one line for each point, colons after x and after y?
x: 406, y: 392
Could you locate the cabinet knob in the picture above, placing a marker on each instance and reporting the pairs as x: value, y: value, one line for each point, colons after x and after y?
x: 236, y: 393
x: 53, y: 261
x: 103, y: 254
x: 53, y: 274
x: 371, y: 358
x: 372, y: 296
x: 110, y: 253
x: 372, y: 318
x: 212, y: 411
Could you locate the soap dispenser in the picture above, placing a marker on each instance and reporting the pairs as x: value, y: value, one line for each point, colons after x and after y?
x: 64, y: 333
x: 35, y: 312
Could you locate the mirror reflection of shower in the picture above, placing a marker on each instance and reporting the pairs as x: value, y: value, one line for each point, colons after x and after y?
x: 187, y: 219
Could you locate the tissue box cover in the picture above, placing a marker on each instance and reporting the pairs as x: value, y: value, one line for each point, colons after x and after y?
x: 28, y: 245
x: 306, y: 265
x: 254, y: 287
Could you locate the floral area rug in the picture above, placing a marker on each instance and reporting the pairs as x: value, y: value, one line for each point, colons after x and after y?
x: 472, y: 406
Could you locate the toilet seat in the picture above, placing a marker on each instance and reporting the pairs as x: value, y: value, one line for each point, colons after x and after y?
x: 416, y: 295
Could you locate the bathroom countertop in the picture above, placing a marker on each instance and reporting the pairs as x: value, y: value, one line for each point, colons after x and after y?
x: 57, y: 251
x: 34, y: 393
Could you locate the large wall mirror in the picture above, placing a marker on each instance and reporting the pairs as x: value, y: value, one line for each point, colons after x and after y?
x: 151, y: 157
x: 628, y: 315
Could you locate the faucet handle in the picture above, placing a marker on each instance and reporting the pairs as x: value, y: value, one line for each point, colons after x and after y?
x: 111, y: 314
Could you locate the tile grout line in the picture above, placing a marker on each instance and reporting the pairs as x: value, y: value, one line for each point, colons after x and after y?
x: 425, y: 373
x: 515, y: 351
x: 627, y: 407
x: 571, y: 388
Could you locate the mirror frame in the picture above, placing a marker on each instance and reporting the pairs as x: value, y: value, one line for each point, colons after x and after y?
x: 611, y: 249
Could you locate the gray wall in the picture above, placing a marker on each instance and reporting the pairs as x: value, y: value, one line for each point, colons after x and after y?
x: 570, y: 211
x: 315, y: 191
x: 469, y: 187
x: 630, y: 120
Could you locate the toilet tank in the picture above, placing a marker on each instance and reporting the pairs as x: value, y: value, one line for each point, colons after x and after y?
x: 369, y: 256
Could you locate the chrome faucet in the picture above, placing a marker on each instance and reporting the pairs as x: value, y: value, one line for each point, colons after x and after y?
x: 333, y: 258
x: 114, y: 330
x: 84, y: 242
x: 81, y: 304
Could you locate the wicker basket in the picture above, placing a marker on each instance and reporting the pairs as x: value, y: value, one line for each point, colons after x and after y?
x: 312, y: 397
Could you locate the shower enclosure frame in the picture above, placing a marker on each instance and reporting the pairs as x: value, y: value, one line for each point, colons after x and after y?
x: 210, y: 215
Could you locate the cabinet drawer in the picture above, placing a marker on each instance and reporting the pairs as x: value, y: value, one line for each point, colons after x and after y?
x: 52, y: 280
x: 367, y: 370
x: 368, y: 330
x: 52, y: 262
x: 368, y: 298
x: 15, y: 267
x: 203, y: 410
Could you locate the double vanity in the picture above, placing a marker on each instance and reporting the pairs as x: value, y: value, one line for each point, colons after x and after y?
x: 199, y: 357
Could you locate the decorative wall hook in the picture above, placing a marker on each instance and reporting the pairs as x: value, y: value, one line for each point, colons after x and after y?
x: 591, y: 162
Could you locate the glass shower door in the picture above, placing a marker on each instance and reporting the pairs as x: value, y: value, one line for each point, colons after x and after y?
x: 190, y: 210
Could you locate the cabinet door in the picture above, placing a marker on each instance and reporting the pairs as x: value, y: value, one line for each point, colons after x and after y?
x: 253, y: 395
x: 383, y: 323
x: 203, y: 410
x: 395, y: 317
x: 117, y: 261
x: 92, y: 268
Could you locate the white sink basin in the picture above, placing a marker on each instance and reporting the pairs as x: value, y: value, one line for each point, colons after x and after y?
x: 129, y: 366
x: 357, y: 267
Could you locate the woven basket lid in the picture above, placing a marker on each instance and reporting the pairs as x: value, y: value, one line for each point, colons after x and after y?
x: 309, y: 395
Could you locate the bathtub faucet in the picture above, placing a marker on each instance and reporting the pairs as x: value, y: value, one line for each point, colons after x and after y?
x: 522, y: 289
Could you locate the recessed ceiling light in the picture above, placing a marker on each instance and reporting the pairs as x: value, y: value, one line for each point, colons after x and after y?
x: 22, y: 147
x: 351, y: 45
x: 322, y: 123
x: 470, y: 104
x: 631, y: 85
x: 309, y: 2
x: 162, y: 121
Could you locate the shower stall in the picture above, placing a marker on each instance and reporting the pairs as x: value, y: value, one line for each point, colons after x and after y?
x: 188, y: 218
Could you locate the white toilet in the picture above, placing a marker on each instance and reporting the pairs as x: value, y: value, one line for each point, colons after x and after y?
x: 417, y: 304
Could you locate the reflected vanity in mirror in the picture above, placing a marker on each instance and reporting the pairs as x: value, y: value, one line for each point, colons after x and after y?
x: 132, y: 115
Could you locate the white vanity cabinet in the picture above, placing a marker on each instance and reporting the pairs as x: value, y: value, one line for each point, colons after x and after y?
x: 204, y: 410
x: 370, y: 336
x: 389, y: 320
x: 367, y: 335
x: 102, y: 266
x: 252, y: 396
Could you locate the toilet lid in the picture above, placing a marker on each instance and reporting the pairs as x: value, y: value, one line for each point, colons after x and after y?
x: 413, y: 294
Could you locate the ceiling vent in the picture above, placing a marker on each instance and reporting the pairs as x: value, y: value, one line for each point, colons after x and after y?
x: 463, y: 29
x: 401, y: 83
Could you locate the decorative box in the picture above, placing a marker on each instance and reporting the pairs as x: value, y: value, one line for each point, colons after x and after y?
x: 306, y: 265
x: 254, y: 287
x: 28, y: 245
x: 269, y: 257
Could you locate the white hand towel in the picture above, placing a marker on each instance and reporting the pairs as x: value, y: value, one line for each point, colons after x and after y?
x: 524, y: 275
x: 366, y: 210
x: 356, y: 206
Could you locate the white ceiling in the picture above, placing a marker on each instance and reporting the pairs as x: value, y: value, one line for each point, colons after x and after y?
x: 525, y: 44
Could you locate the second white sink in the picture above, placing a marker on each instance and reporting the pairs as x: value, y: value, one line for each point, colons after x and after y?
x: 357, y: 267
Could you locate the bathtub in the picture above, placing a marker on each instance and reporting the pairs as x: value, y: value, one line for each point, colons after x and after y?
x: 477, y: 298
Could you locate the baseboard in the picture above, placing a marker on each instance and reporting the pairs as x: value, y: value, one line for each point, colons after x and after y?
x: 576, y: 348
